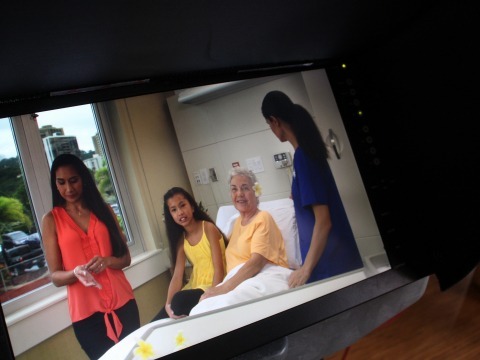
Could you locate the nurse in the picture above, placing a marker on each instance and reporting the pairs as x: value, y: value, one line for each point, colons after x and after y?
x: 327, y: 243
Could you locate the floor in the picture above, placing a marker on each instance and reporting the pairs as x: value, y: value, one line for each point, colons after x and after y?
x: 441, y: 325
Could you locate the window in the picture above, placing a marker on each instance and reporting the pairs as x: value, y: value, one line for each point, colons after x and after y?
x: 74, y: 130
x: 32, y: 142
x: 22, y: 263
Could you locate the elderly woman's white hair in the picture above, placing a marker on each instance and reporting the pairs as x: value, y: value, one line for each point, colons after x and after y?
x: 238, y: 171
x: 242, y: 172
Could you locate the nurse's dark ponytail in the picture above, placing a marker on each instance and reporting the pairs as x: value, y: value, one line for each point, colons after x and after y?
x: 309, y: 138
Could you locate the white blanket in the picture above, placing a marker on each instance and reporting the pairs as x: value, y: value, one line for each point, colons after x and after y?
x: 271, y: 279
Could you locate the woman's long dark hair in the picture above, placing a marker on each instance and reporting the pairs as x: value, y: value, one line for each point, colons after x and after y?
x: 279, y: 105
x: 92, y: 197
x: 176, y: 232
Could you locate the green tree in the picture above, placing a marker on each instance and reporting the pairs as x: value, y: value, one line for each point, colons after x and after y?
x: 12, y: 216
x: 84, y: 155
x: 13, y: 186
x: 10, y: 176
x: 104, y: 183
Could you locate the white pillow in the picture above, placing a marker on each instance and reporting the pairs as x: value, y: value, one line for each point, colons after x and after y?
x: 225, y: 216
x: 283, y: 213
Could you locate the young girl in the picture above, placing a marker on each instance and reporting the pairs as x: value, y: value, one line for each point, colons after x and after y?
x: 192, y: 235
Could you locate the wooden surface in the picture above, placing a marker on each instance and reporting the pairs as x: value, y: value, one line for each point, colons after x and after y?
x: 441, y: 325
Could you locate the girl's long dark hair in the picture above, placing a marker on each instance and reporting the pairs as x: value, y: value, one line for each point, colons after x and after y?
x: 279, y: 105
x: 92, y: 197
x: 176, y: 232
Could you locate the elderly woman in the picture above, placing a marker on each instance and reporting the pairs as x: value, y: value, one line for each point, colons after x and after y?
x: 255, y: 255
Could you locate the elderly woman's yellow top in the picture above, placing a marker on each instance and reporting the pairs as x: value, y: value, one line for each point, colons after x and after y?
x: 261, y: 236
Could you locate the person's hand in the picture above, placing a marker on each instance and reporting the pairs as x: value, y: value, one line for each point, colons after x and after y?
x: 97, y: 264
x: 170, y: 313
x: 213, y: 291
x: 84, y: 276
x: 298, y: 277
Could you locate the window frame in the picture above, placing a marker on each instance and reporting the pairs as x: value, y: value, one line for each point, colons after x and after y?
x: 132, y: 228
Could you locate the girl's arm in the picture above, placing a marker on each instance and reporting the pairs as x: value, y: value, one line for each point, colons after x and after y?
x: 176, y: 283
x: 320, y: 233
x: 251, y: 268
x: 214, y: 237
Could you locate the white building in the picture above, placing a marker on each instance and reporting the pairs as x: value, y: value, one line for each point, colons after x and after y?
x: 94, y: 163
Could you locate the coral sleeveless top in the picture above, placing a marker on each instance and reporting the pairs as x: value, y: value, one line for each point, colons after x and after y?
x: 77, y: 248
x: 200, y: 256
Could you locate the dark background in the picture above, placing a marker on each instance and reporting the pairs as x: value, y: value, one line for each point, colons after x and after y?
x: 50, y: 51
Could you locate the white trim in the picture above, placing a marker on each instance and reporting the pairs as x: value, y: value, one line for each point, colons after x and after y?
x: 52, y: 311
x: 34, y: 163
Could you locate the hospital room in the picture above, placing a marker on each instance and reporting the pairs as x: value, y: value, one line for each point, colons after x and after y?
x: 191, y: 138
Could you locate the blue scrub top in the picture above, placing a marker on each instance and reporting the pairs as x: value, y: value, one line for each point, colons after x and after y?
x: 313, y: 183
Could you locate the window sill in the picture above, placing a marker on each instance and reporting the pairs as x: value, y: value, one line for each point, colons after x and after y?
x: 52, y: 311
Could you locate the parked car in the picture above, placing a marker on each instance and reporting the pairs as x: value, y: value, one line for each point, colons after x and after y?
x: 17, y: 238
x: 21, y: 251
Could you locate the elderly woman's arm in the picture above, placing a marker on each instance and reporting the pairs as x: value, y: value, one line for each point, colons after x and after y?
x: 251, y: 268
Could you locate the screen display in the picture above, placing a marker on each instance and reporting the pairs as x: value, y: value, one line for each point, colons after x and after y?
x: 221, y: 126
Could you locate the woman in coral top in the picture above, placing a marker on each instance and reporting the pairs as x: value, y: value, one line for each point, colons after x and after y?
x: 86, y: 251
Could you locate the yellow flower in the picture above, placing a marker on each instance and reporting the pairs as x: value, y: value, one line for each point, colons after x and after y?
x: 180, y: 340
x: 258, y: 189
x: 144, y: 350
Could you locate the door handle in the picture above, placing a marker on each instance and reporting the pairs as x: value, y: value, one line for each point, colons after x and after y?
x: 332, y: 140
